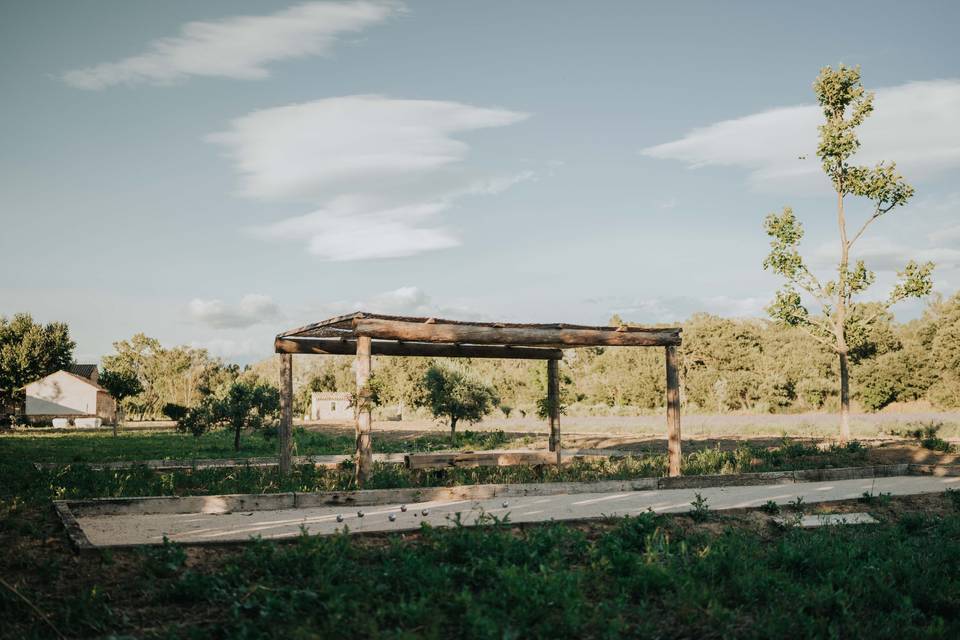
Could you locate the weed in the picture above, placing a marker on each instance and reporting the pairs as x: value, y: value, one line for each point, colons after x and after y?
x: 770, y: 507
x: 927, y: 435
x: 165, y: 560
x: 797, y: 504
x: 954, y: 496
x: 883, y: 499
x: 701, y: 510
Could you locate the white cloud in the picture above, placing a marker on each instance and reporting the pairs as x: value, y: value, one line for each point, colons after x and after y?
x: 663, y: 309
x: 883, y: 254
x: 381, y: 171
x: 251, y: 310
x: 916, y: 124
x: 240, y: 46
x: 406, y: 300
x: 946, y: 236
x: 236, y: 349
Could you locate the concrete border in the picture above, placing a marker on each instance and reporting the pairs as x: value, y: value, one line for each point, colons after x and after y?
x: 68, y: 510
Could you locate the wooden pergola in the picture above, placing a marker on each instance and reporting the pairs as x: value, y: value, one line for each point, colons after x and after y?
x: 368, y: 334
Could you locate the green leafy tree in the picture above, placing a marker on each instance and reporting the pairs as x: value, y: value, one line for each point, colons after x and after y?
x: 120, y: 384
x: 28, y: 352
x: 243, y: 404
x: 174, y: 411
x: 845, y: 106
x: 454, y: 393
x: 179, y: 375
x: 400, y: 382
x: 942, y: 336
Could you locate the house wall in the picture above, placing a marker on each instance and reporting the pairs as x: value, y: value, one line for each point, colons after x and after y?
x: 338, y: 409
x: 60, y: 394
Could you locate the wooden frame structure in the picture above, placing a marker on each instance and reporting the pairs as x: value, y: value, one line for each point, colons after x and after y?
x: 368, y: 334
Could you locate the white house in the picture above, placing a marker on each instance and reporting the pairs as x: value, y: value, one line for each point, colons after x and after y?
x: 330, y: 405
x: 67, y: 395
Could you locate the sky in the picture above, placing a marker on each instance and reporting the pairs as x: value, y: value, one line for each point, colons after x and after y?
x: 212, y: 173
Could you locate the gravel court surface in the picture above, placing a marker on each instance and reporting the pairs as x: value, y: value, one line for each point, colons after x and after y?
x: 200, y: 528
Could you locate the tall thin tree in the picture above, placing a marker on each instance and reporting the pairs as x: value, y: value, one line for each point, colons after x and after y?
x: 845, y: 106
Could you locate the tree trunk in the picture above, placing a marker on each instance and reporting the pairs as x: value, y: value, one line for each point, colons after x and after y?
x: 236, y: 438
x: 453, y: 431
x: 844, y: 400
x: 840, y: 318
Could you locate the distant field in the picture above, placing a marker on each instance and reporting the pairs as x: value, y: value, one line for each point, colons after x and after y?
x: 103, y: 446
x: 807, y: 425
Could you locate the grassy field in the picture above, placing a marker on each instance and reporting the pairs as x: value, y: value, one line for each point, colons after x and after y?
x: 170, y: 445
x: 721, y: 576
x: 729, y: 575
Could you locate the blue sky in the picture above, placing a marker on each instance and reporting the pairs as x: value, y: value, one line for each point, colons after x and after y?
x: 212, y: 173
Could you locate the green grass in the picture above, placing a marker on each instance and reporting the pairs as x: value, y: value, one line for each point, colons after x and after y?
x: 640, y: 577
x: 643, y: 577
x: 167, y: 445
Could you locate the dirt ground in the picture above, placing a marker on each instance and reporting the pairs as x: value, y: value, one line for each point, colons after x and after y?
x: 881, y: 450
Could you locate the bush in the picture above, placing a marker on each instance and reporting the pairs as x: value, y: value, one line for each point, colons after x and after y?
x: 175, y: 411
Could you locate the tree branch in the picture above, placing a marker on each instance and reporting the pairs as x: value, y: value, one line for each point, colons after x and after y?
x: 806, y: 323
x: 876, y: 214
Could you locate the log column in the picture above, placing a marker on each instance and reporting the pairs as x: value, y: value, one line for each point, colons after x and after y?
x: 286, y: 413
x: 553, y: 403
x: 673, y: 411
x: 364, y: 461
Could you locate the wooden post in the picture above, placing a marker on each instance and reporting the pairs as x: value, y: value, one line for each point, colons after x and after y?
x: 553, y: 402
x: 364, y: 418
x: 286, y: 413
x: 673, y: 411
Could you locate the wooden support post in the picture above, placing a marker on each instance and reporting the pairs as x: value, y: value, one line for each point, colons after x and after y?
x: 673, y: 411
x: 553, y: 402
x: 363, y: 411
x: 286, y: 413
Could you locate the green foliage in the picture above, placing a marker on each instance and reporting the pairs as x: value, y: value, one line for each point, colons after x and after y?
x: 28, y: 352
x: 771, y: 508
x: 175, y: 412
x: 324, y: 380
x: 701, y: 510
x: 954, y: 496
x: 838, y: 326
x: 243, y: 404
x: 452, y: 392
x: 641, y: 577
x: 927, y: 436
x: 120, y: 384
x: 179, y: 375
x: 165, y: 560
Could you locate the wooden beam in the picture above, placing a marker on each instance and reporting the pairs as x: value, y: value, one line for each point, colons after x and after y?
x: 520, y: 336
x: 553, y: 403
x: 364, y: 418
x: 673, y: 412
x: 286, y: 413
x: 341, y: 346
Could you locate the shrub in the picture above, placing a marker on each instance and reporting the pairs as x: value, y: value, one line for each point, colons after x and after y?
x: 175, y: 411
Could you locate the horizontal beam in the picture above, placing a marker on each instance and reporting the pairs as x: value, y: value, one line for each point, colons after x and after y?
x: 525, y: 336
x: 340, y: 346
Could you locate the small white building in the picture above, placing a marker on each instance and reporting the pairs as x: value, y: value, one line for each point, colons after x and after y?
x: 331, y: 405
x: 67, y: 395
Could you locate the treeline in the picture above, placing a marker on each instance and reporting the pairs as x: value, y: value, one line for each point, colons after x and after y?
x: 749, y: 365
